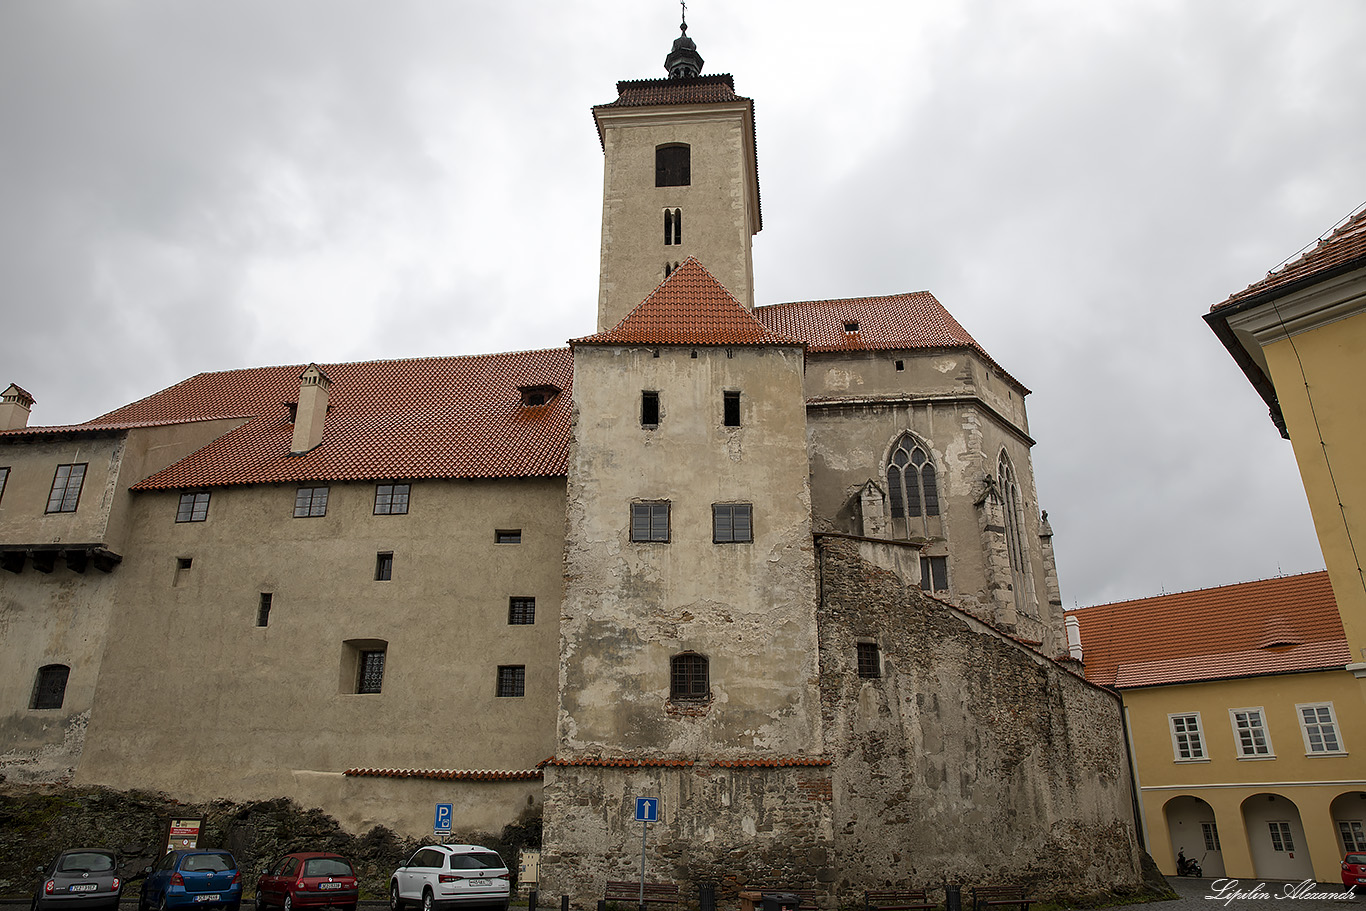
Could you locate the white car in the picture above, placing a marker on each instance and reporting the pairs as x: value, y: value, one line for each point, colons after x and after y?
x: 447, y: 876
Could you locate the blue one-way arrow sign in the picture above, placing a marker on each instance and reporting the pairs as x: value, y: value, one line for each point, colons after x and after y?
x: 647, y: 809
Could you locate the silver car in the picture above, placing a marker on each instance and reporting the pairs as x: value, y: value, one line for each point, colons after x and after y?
x: 448, y: 876
x: 82, y: 878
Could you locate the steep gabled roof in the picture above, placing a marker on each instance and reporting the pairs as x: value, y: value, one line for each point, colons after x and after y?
x: 1274, y: 626
x: 891, y: 322
x: 452, y: 417
x: 689, y: 308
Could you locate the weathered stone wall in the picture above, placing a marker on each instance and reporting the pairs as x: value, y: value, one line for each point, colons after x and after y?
x: 972, y: 758
x: 733, y: 826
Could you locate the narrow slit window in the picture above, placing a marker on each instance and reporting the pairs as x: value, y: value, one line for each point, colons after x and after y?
x: 730, y: 409
x: 384, y: 566
x: 649, y: 409
x: 263, y: 609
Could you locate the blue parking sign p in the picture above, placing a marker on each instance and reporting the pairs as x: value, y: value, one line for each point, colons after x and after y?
x: 647, y: 809
x: 443, y: 817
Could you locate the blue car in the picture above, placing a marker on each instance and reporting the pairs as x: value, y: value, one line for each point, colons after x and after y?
x: 192, y: 879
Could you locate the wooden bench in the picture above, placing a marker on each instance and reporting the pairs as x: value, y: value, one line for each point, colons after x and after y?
x: 897, y: 900
x: 628, y: 893
x: 985, y: 897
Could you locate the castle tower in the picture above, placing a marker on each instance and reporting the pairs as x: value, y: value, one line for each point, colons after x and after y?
x: 680, y: 179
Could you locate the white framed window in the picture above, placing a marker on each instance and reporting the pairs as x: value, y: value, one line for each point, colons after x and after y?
x: 1281, y: 839
x: 1188, y: 743
x: 1211, y: 833
x: 1353, y: 835
x: 1250, y: 733
x: 1319, y: 725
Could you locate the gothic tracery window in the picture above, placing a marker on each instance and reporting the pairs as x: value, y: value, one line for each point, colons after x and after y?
x: 1012, y: 508
x: 912, y: 488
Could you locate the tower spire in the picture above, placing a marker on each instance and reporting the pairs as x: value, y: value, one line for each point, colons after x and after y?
x: 683, y: 61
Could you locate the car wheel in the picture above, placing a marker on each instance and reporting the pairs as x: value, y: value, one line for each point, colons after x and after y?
x: 426, y: 900
x: 289, y: 903
x: 395, y: 903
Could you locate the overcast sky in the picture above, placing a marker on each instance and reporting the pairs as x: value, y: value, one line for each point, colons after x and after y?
x: 196, y: 186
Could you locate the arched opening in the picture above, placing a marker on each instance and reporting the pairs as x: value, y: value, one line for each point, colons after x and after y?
x: 1194, y: 832
x: 1349, y: 821
x: 913, y: 489
x: 1012, y: 509
x: 1275, y: 838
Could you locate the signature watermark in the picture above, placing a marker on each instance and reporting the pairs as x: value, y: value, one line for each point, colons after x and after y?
x: 1231, y: 890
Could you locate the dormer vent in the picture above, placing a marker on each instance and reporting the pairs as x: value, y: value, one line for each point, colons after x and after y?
x: 311, y: 413
x: 535, y: 396
x: 15, y: 405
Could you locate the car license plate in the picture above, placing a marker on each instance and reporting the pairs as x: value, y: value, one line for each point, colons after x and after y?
x: 476, y: 882
x: 329, y: 885
x: 84, y: 887
x: 207, y: 898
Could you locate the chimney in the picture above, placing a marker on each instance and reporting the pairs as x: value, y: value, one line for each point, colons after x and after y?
x: 311, y: 414
x: 14, y: 408
x: 1073, y: 627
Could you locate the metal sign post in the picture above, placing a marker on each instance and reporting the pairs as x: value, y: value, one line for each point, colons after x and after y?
x: 647, y: 811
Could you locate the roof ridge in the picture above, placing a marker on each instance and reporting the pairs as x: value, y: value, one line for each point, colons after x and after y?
x: 1211, y: 588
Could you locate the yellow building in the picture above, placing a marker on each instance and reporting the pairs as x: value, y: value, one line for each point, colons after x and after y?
x: 1300, y: 336
x: 1241, y: 723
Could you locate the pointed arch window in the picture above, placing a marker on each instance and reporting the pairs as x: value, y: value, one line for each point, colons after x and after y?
x: 912, y: 487
x: 1012, y: 508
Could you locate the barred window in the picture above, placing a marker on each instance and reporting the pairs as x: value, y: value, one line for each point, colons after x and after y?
x: 391, y: 499
x: 194, y: 507
x: 310, y: 502
x: 650, y: 522
x: 688, y: 677
x: 732, y: 523
x: 371, y: 677
x: 512, y: 680
x: 521, y: 611
x: 66, y: 488
x: 49, y: 690
x: 869, y: 660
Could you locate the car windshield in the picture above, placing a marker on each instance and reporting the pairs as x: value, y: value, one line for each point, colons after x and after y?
x: 86, y: 862
x: 206, y: 863
x: 483, y: 861
x: 1354, y: 859
x: 326, y: 866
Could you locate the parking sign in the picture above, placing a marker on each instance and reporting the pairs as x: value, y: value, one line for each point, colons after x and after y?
x: 443, y: 818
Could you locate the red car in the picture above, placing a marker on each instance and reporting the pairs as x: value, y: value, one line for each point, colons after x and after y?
x: 1354, y: 870
x: 309, y: 879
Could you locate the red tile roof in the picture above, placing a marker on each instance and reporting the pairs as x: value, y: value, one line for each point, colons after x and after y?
x: 710, y: 89
x: 453, y: 417
x: 1341, y: 251
x: 690, y: 308
x: 1275, y: 626
x: 888, y: 323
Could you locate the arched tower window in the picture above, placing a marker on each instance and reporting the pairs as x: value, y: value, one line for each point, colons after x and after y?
x: 912, y: 487
x: 1012, y: 508
x: 673, y: 227
x: 673, y: 166
x: 688, y: 677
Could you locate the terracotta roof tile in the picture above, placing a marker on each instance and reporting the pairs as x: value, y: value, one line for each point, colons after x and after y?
x: 887, y: 323
x: 1344, y: 250
x: 453, y: 417
x: 697, y: 90
x: 1273, y: 626
x: 690, y: 308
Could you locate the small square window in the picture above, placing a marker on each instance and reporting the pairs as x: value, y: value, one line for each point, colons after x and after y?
x: 182, y: 563
x: 650, y: 522
x: 371, y: 678
x: 851, y: 325
x: 869, y: 660
x: 521, y: 611
x: 384, y: 566
x: 508, y: 536
x: 649, y: 409
x: 732, y: 523
x: 66, y: 488
x: 310, y: 502
x: 194, y: 507
x: 391, y: 499
x: 512, y: 680
x: 900, y: 366
x: 263, y: 609
x: 730, y: 408
x: 49, y: 690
